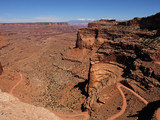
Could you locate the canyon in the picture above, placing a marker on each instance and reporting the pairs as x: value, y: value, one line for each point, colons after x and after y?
x: 109, y: 70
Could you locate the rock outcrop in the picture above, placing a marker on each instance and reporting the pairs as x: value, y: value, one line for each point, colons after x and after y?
x: 12, y: 109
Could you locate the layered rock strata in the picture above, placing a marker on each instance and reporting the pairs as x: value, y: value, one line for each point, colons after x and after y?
x: 121, y: 50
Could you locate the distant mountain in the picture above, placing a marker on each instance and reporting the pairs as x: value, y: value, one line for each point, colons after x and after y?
x: 80, y: 22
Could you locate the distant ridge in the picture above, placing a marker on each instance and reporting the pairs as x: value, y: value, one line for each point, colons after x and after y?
x: 35, y: 24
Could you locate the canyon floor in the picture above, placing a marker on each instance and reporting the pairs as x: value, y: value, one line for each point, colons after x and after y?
x: 46, y: 67
x: 36, y: 54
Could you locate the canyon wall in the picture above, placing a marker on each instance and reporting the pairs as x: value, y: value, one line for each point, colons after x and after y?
x: 127, y: 50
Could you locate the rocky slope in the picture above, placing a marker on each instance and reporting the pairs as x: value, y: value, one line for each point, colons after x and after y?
x: 127, y: 51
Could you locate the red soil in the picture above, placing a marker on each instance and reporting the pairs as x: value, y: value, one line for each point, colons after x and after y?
x: 85, y: 114
x: 63, y: 116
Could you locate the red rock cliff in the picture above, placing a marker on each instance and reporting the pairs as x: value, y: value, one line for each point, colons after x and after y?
x: 100, y: 31
x: 102, y: 23
x: 121, y: 50
x: 150, y: 22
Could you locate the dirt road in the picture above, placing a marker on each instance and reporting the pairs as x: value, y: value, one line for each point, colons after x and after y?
x: 124, y: 101
x: 85, y: 114
x: 72, y: 116
x: 12, y: 89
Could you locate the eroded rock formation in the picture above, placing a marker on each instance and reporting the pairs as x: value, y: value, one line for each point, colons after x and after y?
x: 121, y: 50
x: 101, y: 73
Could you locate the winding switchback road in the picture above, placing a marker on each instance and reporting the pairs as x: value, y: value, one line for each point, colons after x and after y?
x: 124, y: 101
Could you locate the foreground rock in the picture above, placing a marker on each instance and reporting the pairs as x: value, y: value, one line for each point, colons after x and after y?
x: 12, y: 109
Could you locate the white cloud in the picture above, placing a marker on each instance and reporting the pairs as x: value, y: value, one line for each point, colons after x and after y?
x: 109, y: 18
x: 85, y: 19
x: 36, y: 19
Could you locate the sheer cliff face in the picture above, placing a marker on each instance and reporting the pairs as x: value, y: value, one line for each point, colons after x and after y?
x: 95, y: 34
x: 1, y: 69
x: 121, y: 50
x: 89, y: 38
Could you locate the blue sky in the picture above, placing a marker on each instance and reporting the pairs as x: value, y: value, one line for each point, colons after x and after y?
x: 64, y: 10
